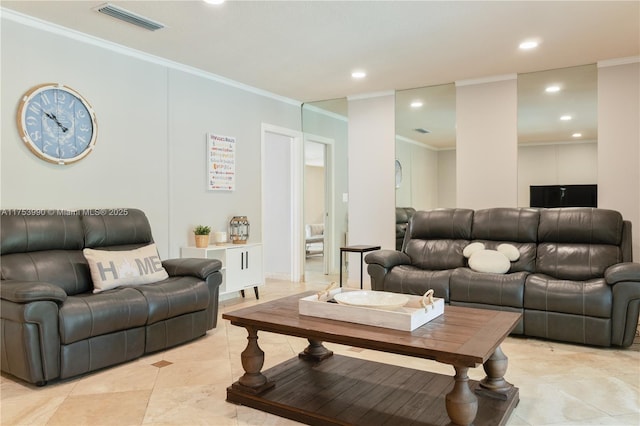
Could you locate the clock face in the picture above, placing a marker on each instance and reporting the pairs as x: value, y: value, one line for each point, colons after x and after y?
x: 57, y: 123
x: 398, y: 174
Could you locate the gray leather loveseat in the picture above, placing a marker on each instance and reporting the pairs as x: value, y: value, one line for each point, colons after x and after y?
x: 57, y: 324
x: 574, y: 281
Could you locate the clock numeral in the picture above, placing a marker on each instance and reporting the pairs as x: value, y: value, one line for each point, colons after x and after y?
x: 35, y: 135
x: 82, y: 138
x: 84, y: 127
x: 35, y: 107
x: 72, y: 103
x: 81, y: 113
x: 60, y: 96
x: 45, y: 99
x: 31, y: 121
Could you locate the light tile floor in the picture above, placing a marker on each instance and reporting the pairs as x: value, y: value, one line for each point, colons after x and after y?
x: 560, y: 384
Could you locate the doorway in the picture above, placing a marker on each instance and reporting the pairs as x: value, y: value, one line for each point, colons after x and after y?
x: 319, y: 250
x: 283, y: 197
x: 315, y: 211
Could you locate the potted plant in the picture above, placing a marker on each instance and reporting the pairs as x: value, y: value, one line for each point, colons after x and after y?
x: 202, y: 235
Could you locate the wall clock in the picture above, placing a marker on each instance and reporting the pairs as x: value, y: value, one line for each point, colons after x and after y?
x: 57, y: 123
x: 398, y: 174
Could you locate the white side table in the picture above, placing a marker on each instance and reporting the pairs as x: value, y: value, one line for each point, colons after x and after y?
x: 241, y: 265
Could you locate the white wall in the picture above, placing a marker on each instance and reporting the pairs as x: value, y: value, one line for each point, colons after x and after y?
x: 153, y: 117
x: 314, y: 194
x: 371, y: 175
x: 619, y: 142
x: 555, y: 164
x: 419, y: 187
x: 447, y: 178
x: 486, y: 144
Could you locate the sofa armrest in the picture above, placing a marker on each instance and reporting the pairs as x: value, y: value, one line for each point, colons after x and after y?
x: 31, y: 291
x: 627, y: 271
x: 381, y: 262
x: 387, y: 258
x: 30, y: 329
x: 200, y: 268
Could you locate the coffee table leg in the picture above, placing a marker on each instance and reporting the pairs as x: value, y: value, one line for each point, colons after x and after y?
x: 461, y: 403
x: 496, y: 367
x: 315, y: 351
x: 252, y: 357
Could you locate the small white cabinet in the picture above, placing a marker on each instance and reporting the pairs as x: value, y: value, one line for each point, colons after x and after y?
x: 241, y: 265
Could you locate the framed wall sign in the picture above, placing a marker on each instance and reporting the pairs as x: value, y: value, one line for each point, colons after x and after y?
x: 221, y: 163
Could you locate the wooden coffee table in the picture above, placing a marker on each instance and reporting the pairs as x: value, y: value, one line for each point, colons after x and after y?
x: 320, y: 388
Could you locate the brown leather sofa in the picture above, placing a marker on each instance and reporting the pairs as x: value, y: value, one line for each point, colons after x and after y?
x: 574, y: 281
x: 55, y: 327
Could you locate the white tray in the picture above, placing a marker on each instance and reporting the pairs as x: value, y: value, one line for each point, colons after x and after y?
x: 404, y: 318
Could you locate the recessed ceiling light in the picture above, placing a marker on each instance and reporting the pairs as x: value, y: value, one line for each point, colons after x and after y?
x: 528, y: 44
x: 358, y: 74
x: 577, y: 135
x: 416, y: 104
x: 214, y: 1
x: 552, y: 89
x: 566, y: 118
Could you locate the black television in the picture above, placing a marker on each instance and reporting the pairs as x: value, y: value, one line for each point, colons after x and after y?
x: 549, y: 196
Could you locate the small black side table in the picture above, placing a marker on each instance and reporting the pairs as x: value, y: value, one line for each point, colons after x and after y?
x: 356, y: 249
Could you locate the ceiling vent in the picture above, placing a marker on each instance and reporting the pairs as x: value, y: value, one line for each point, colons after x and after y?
x: 130, y: 17
x: 423, y: 131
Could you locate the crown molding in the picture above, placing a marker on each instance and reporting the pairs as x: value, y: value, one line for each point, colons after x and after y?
x: 484, y: 80
x: 321, y: 111
x: 40, y: 24
x: 416, y: 143
x: 618, y: 61
x: 371, y: 95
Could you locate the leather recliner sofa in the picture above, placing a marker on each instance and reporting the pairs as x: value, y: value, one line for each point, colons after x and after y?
x: 403, y: 214
x: 574, y: 281
x: 55, y: 327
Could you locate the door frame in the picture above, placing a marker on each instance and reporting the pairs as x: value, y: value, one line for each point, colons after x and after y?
x: 329, y: 262
x: 297, y: 192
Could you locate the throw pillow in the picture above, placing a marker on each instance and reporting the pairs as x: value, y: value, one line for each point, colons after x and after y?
x: 111, y: 269
x: 489, y: 261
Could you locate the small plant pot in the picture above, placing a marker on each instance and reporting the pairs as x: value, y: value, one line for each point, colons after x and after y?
x: 202, y: 241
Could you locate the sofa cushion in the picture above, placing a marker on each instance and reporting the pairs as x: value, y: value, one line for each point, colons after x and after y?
x: 466, y: 285
x: 506, y: 224
x: 580, y: 225
x: 174, y: 296
x: 515, y: 226
x: 116, y: 227
x: 408, y: 279
x: 89, y: 315
x: 576, y: 261
x: 578, y: 243
x: 591, y: 298
x: 436, y: 254
x: 111, y: 269
x: 55, y: 230
x: 441, y: 224
x: 67, y: 269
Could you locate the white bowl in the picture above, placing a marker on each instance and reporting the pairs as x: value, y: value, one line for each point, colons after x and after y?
x: 372, y: 299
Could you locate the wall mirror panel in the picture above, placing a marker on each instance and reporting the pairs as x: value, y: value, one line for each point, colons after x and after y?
x: 425, y: 147
x: 325, y: 128
x: 557, y: 137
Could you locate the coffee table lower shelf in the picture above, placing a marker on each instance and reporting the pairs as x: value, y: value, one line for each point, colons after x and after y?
x: 342, y: 390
